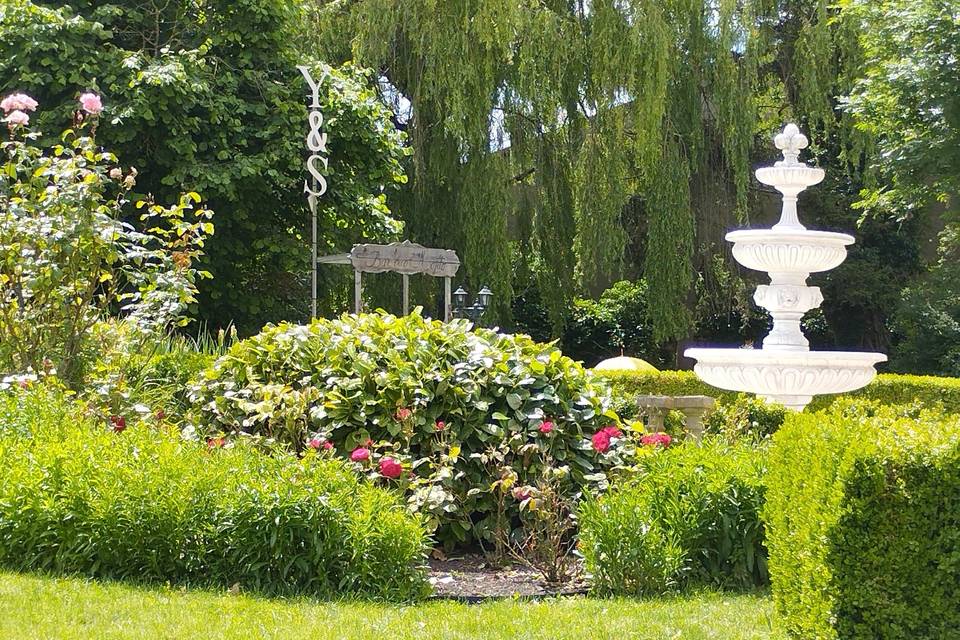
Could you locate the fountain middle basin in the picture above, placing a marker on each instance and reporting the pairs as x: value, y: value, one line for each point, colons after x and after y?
x: 791, y: 378
x: 795, y: 251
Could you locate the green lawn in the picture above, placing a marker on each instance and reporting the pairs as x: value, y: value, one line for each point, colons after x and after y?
x: 45, y: 608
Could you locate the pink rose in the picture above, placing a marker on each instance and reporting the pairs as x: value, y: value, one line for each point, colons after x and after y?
x: 390, y: 468
x: 91, y: 103
x: 521, y: 493
x: 327, y: 445
x: 360, y: 454
x: 656, y: 439
x: 18, y: 118
x: 546, y: 426
x: 315, y: 443
x: 116, y: 173
x: 18, y: 102
x: 601, y: 441
x: 440, y: 425
x: 402, y: 414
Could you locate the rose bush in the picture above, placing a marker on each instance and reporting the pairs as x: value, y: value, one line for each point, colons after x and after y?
x: 455, y: 416
x: 68, y: 258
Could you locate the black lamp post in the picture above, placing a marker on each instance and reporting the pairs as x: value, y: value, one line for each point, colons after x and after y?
x: 472, y: 311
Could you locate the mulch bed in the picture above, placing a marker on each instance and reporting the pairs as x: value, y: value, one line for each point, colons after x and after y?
x: 471, y: 578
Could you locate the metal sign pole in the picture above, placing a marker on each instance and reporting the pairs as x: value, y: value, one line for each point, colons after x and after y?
x: 317, y: 185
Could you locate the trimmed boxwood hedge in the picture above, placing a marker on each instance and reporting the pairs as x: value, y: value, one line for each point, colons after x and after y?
x: 891, y: 389
x: 689, y: 517
x: 144, y: 505
x: 863, y: 524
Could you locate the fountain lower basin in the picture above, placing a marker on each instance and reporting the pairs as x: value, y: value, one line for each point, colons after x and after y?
x: 791, y: 378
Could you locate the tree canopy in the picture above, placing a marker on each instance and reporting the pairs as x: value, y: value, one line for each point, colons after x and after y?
x: 558, y: 145
x: 206, y: 97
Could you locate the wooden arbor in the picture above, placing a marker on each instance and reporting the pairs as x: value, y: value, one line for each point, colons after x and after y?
x: 406, y: 258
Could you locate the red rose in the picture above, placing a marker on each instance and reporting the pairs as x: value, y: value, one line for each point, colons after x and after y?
x: 601, y: 441
x: 656, y: 439
x: 390, y: 468
x: 546, y: 426
x: 327, y: 445
x: 440, y: 425
x: 160, y: 414
x: 360, y: 454
x: 315, y: 444
x: 119, y: 423
x: 402, y: 414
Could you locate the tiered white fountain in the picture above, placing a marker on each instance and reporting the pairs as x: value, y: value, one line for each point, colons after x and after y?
x: 785, y: 370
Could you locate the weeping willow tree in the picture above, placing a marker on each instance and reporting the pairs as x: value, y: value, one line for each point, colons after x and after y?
x: 535, y: 122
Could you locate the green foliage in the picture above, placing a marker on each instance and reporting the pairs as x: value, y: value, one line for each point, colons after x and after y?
x: 886, y: 388
x: 598, y: 101
x: 130, y: 377
x: 689, y: 517
x: 67, y: 259
x: 908, y: 99
x: 863, y: 523
x: 928, y: 319
x: 617, y: 322
x: 145, y: 505
x: 746, y: 417
x: 207, y: 97
x: 461, y: 409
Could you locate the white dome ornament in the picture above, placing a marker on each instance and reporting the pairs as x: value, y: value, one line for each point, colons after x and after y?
x: 785, y: 370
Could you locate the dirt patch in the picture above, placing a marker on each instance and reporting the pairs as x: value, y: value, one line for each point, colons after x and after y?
x: 473, y: 579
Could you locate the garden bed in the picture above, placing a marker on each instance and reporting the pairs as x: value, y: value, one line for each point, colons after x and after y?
x: 473, y: 579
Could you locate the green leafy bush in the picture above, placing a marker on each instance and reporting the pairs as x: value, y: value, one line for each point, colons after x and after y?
x: 142, y: 504
x: 863, y: 523
x: 131, y: 377
x: 689, y: 517
x: 457, y: 408
x: 747, y: 416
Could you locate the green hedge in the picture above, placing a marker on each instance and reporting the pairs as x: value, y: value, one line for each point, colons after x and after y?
x: 145, y: 505
x: 886, y: 388
x: 863, y: 524
x: 689, y: 518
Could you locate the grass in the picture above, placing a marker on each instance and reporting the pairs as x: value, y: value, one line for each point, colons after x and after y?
x: 68, y: 608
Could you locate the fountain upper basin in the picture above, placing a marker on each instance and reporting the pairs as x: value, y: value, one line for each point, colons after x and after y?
x: 788, y: 377
x: 797, y: 251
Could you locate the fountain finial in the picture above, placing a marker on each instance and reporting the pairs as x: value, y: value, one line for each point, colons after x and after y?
x: 790, y: 141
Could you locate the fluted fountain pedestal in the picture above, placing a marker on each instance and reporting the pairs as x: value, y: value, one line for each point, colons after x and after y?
x: 785, y: 370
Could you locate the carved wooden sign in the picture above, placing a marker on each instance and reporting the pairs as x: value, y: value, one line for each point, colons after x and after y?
x: 406, y: 258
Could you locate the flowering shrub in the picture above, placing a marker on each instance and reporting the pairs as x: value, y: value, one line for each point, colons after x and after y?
x: 67, y: 258
x: 658, y: 439
x: 437, y: 409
